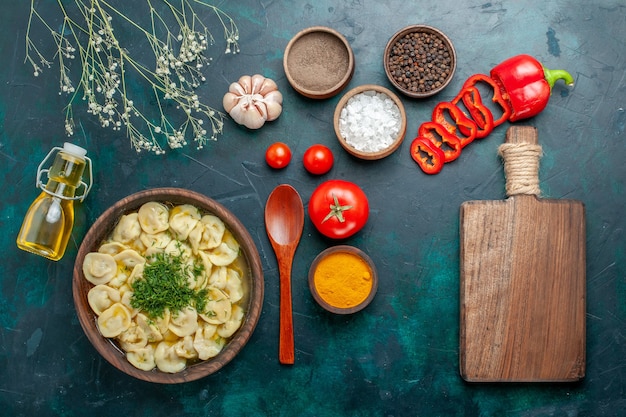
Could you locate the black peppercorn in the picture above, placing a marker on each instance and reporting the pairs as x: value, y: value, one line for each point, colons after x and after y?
x: 419, y: 62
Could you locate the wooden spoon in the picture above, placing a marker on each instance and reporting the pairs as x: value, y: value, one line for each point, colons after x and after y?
x: 284, y: 221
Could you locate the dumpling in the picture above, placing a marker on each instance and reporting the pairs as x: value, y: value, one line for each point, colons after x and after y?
x: 196, y: 278
x: 206, y: 341
x: 167, y: 360
x: 114, y: 320
x: 129, y: 258
x: 218, y: 277
x: 218, y: 307
x: 153, y: 217
x: 150, y: 329
x: 102, y: 297
x: 184, y: 322
x: 195, y: 236
x: 112, y: 248
x: 230, y: 240
x: 178, y: 248
x: 183, y: 219
x: 229, y: 328
x: 155, y: 242
x: 127, y: 299
x: 234, y: 287
x: 213, y: 231
x: 136, y: 273
x: 142, y: 358
x: 206, y: 263
x: 184, y: 348
x: 127, y: 230
x: 223, y: 255
x: 163, y: 322
x: 133, y: 338
x: 99, y: 268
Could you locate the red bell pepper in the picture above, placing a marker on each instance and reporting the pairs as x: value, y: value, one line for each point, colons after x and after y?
x: 497, y: 96
x: 465, y: 125
x: 440, y: 137
x: 482, y: 116
x: 521, y: 88
x: 526, y: 85
x: 428, y: 156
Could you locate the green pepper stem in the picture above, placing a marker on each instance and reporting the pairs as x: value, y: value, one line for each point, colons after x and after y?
x: 552, y: 76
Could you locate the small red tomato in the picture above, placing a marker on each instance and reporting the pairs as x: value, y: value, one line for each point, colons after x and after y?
x: 338, y: 208
x: 318, y: 159
x: 278, y: 155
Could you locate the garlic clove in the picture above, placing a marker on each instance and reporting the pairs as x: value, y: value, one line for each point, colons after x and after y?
x: 237, y: 89
x: 268, y: 86
x: 258, y: 101
x: 257, y: 81
x: 248, y: 114
x: 245, y: 83
x: 253, y: 121
x: 229, y: 101
x: 274, y: 103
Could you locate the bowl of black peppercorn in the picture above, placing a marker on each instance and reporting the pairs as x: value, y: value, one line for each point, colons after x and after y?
x: 419, y: 61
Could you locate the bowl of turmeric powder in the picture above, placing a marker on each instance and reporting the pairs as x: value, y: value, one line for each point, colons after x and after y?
x: 343, y: 279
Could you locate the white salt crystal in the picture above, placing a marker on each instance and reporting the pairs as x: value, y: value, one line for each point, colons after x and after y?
x: 370, y: 121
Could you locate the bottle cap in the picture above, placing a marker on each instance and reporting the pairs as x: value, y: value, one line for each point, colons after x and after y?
x: 74, y: 150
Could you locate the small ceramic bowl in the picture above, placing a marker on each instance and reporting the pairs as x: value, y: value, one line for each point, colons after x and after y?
x: 318, y: 62
x: 252, y: 281
x: 406, y: 57
x: 333, y: 297
x: 360, y: 146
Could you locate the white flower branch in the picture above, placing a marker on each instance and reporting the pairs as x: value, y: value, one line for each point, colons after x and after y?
x: 106, y: 67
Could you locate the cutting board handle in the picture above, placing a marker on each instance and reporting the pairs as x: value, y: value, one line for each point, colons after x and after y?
x: 521, y: 153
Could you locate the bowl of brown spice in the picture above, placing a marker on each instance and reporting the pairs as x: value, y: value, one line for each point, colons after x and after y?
x: 343, y: 279
x: 419, y: 61
x: 318, y: 62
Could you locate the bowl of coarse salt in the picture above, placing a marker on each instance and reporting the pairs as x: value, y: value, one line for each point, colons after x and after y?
x: 370, y: 122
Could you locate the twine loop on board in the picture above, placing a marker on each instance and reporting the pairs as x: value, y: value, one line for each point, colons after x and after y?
x: 521, y: 167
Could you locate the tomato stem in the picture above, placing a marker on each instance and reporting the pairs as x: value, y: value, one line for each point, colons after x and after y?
x: 336, y: 210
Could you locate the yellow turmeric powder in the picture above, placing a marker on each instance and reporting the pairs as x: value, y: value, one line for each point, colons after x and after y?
x: 343, y: 279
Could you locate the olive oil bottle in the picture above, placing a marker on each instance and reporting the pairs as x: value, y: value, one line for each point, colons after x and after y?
x: 49, y: 221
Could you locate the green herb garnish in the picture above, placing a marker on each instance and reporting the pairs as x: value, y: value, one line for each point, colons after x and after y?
x: 164, y: 286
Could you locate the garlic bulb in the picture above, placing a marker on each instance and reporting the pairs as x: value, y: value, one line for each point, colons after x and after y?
x: 253, y: 100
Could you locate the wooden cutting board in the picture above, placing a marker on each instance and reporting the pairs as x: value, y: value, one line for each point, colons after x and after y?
x: 522, y: 295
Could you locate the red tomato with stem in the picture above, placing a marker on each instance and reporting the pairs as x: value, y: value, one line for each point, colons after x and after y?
x: 278, y: 155
x: 338, y: 208
x: 318, y: 159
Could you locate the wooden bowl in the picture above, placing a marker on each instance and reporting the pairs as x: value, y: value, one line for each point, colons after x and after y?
x: 318, y: 62
x: 349, y: 279
x: 419, y: 62
x: 352, y: 147
x: 252, y: 278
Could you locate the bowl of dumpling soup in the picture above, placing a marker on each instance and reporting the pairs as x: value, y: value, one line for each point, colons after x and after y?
x: 168, y: 285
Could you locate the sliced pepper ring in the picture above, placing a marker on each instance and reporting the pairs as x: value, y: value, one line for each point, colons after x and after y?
x: 498, y: 98
x: 428, y: 156
x: 481, y: 115
x: 442, y: 138
x: 465, y: 125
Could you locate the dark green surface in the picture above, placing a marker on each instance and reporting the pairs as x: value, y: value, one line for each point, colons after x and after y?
x: 399, y: 357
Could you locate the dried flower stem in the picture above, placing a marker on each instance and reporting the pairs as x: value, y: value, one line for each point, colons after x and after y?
x: 106, y: 67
